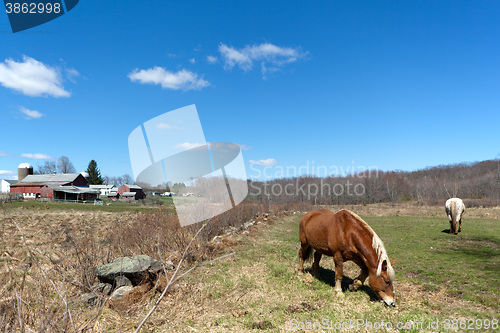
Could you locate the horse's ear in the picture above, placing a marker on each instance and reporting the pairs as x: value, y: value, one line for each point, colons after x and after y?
x: 384, y: 265
x: 393, y: 261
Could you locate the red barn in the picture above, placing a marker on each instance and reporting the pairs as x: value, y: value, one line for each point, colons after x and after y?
x: 127, y: 188
x: 65, y: 186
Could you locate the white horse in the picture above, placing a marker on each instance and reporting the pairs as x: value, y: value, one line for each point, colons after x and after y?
x: 455, y: 208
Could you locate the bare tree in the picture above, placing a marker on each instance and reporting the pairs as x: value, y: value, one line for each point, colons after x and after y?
x: 127, y: 179
x: 64, y: 165
x: 47, y: 167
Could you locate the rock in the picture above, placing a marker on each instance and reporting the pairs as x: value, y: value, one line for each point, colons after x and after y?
x: 169, y: 265
x: 90, y: 298
x: 121, y: 292
x: 217, y: 239
x: 135, y: 269
x: 248, y: 224
x: 245, y: 232
x: 121, y: 281
x: 103, y: 288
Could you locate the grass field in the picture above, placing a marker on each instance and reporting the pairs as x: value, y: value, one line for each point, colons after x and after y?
x: 442, y: 281
x: 108, y: 206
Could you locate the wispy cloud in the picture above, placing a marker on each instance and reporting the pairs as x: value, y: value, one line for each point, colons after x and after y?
x: 2, y: 153
x: 6, y: 172
x: 245, y: 147
x: 32, y: 78
x: 212, y: 59
x: 192, y: 60
x: 165, y: 126
x: 188, y: 145
x: 30, y: 114
x: 268, y: 162
x: 180, y: 80
x: 37, y: 156
x: 272, y: 58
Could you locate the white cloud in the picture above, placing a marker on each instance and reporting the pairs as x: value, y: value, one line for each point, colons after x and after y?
x: 183, y: 79
x: 245, y: 147
x: 6, y: 172
x: 30, y: 114
x: 165, y: 126
x: 268, y: 162
x: 37, y: 156
x: 234, y: 57
x: 192, y: 60
x: 271, y: 57
x: 2, y: 153
x: 32, y: 78
x: 212, y: 59
x: 188, y: 145
x: 71, y: 74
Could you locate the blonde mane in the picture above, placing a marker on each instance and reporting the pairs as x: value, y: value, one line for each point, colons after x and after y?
x: 378, y: 246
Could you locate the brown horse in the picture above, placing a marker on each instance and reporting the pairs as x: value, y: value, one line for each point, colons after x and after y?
x: 346, y: 237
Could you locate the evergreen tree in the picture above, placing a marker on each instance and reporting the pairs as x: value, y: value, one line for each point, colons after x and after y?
x: 94, y: 174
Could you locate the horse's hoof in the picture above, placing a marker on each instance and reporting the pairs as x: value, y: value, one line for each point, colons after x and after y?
x: 339, y: 293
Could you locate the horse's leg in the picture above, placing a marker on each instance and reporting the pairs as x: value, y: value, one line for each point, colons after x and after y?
x: 358, y: 282
x: 303, y: 255
x: 339, y: 272
x: 315, y: 267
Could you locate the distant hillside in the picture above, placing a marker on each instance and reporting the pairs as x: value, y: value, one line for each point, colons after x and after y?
x: 478, y: 181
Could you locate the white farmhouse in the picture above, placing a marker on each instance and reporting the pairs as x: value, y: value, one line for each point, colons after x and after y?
x: 5, y: 185
x: 105, y: 189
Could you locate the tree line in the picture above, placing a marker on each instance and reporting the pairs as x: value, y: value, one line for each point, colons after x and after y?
x: 478, y: 181
x: 64, y: 165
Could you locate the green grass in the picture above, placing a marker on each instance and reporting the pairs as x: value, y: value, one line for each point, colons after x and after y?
x: 456, y: 279
x: 467, y: 265
x: 115, y: 206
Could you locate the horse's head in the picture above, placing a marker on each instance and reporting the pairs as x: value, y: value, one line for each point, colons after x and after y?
x: 382, y: 285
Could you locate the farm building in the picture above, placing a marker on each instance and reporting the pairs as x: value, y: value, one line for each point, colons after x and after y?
x: 105, y: 189
x: 113, y: 196
x: 128, y: 196
x: 5, y: 185
x: 66, y: 186
x: 136, y: 190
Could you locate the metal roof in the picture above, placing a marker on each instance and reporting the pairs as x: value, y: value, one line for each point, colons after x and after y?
x: 11, y: 181
x: 128, y: 194
x: 134, y: 187
x: 73, y: 189
x: 102, y: 186
x: 50, y: 178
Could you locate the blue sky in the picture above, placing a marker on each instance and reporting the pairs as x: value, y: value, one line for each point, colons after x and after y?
x: 396, y: 85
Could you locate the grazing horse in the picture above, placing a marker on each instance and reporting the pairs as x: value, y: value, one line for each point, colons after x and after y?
x: 455, y: 208
x: 346, y: 237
